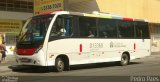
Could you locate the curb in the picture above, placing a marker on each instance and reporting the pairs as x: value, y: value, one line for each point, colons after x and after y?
x: 12, y: 68
x: 155, y: 53
x: 9, y: 65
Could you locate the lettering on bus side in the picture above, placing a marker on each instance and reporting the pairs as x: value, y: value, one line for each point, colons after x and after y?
x: 116, y: 44
x: 96, y: 46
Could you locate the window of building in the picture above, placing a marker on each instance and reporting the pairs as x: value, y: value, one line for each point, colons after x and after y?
x: 16, y: 5
x: 2, y: 4
x: 10, y: 5
x: 157, y: 32
x: 3, y: 1
x: 10, y: 1
x: 10, y: 39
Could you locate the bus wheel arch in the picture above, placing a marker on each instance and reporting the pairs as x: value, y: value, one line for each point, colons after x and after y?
x: 125, y: 58
x: 62, y: 63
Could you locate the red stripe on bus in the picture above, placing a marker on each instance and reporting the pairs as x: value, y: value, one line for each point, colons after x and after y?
x: 26, y: 51
x: 134, y: 46
x: 128, y: 19
x: 80, y: 48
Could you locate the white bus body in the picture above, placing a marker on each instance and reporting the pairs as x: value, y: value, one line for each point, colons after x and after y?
x: 77, y: 50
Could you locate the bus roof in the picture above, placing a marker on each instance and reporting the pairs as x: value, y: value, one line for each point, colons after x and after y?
x: 98, y: 15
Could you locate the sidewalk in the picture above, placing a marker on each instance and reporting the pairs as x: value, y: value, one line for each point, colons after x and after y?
x: 4, y: 67
x: 10, y: 58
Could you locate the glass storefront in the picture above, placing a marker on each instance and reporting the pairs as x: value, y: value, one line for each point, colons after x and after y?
x: 10, y: 39
x: 9, y: 30
x: 155, y: 36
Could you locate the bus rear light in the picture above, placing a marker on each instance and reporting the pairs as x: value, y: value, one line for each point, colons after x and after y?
x: 26, y: 51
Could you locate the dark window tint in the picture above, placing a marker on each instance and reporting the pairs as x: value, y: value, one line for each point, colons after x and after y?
x: 62, y: 26
x: 125, y: 29
x: 87, y: 27
x: 142, y: 30
x: 36, y: 29
x: 107, y: 28
x: 68, y: 25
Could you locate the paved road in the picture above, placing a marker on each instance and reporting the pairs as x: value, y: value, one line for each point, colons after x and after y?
x: 148, y: 66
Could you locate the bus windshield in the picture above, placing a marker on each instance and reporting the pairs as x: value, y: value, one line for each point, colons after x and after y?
x: 35, y: 30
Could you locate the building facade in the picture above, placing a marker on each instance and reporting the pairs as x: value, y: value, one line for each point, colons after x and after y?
x: 13, y: 14
x: 140, y: 9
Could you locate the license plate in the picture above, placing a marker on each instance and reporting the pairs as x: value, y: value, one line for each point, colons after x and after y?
x: 25, y: 60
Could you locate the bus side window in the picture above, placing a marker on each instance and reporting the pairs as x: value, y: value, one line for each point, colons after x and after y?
x: 142, y: 30
x: 107, y: 28
x: 125, y: 29
x: 90, y: 34
x: 62, y: 27
x: 57, y: 28
x: 139, y: 33
x: 68, y: 26
x: 87, y: 26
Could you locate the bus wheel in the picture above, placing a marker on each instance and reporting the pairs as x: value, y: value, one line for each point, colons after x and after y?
x: 124, y: 59
x: 59, y: 64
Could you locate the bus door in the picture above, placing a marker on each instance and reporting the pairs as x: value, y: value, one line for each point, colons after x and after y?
x: 59, y: 43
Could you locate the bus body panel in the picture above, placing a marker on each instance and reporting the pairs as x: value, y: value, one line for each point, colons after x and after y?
x: 96, y: 50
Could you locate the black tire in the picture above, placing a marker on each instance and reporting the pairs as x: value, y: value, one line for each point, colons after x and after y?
x: 124, y: 59
x: 59, y: 65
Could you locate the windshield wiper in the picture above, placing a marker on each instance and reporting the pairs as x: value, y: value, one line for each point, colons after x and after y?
x: 25, y: 42
x: 29, y: 34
